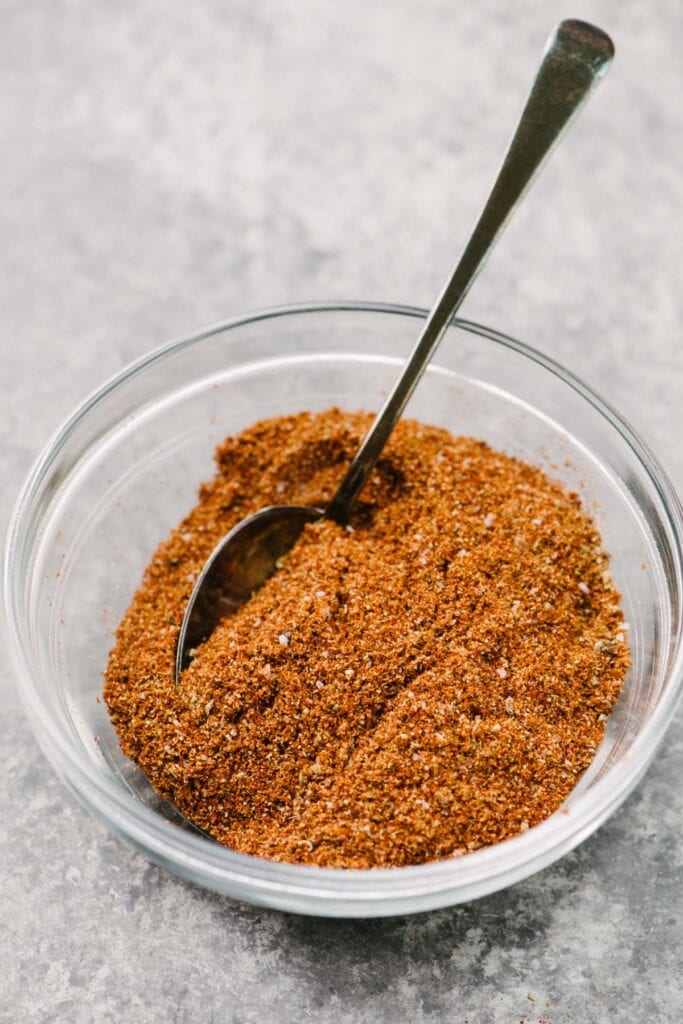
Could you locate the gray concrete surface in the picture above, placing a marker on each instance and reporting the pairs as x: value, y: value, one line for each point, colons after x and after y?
x: 165, y: 165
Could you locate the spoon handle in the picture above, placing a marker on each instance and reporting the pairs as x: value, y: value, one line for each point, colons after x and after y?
x: 577, y: 55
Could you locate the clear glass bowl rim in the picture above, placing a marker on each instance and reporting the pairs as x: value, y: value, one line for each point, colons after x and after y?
x: 224, y: 869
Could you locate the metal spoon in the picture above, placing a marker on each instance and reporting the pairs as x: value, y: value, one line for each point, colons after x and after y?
x: 576, y: 56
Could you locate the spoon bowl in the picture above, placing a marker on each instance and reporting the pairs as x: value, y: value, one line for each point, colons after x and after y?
x: 238, y: 566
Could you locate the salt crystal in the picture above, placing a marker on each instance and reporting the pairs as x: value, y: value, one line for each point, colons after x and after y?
x: 284, y: 639
x: 502, y: 672
x: 319, y: 684
x: 489, y: 520
x: 349, y: 673
x: 584, y: 588
x: 280, y: 487
x: 524, y: 827
x: 187, y: 536
x: 320, y: 593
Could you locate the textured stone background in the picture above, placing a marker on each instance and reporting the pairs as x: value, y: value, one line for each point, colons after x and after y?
x: 168, y: 164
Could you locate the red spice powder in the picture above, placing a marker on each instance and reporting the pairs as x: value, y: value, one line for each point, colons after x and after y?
x: 428, y: 681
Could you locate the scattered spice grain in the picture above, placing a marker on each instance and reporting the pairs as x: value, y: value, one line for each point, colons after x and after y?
x: 432, y: 681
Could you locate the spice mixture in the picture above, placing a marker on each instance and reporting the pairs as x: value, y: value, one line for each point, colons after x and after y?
x: 432, y: 679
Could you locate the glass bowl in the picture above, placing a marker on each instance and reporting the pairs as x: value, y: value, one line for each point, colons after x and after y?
x: 125, y: 468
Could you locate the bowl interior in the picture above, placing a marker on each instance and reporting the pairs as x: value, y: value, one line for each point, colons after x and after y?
x: 128, y: 467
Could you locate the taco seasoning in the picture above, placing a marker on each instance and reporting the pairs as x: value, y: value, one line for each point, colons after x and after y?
x: 429, y: 680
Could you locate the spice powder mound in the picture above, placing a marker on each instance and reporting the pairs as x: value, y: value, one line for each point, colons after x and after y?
x: 429, y: 680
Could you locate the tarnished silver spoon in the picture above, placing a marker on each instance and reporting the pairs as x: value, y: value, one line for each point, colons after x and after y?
x: 576, y: 57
